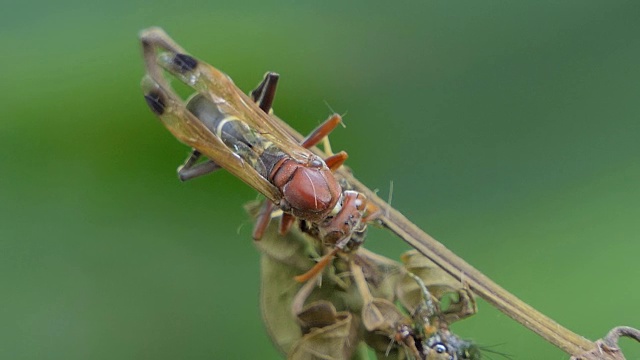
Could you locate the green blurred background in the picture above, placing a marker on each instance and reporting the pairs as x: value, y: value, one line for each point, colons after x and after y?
x: 510, y: 132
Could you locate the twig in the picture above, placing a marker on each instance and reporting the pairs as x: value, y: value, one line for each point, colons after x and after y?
x: 556, y: 334
x: 607, y: 348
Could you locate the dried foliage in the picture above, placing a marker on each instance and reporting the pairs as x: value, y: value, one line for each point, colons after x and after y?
x: 361, y: 301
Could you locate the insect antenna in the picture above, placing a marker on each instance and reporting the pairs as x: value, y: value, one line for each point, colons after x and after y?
x: 334, y: 112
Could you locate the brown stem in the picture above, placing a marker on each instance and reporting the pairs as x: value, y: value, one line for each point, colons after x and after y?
x: 484, y: 287
x: 569, y: 342
x: 612, y: 337
x: 607, y: 348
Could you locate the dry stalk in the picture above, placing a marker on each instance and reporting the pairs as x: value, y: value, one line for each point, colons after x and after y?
x: 554, y: 333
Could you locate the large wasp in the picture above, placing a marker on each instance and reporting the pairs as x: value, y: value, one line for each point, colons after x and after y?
x: 236, y: 132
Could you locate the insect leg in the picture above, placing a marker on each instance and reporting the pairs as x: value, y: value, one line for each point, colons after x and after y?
x: 264, y: 94
x: 190, y: 170
x: 285, y: 223
x: 321, y: 131
x: 263, y: 219
x: 318, y: 267
x: 336, y: 160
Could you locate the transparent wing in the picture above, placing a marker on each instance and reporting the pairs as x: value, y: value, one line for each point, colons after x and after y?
x: 171, y: 110
x: 220, y: 89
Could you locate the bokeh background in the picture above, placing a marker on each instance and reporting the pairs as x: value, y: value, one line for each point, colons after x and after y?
x: 510, y: 132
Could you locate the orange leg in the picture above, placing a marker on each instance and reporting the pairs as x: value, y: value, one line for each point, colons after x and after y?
x: 318, y: 267
x: 336, y: 160
x: 262, y: 220
x: 321, y: 131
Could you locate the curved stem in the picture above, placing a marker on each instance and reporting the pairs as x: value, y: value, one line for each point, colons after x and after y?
x: 612, y: 337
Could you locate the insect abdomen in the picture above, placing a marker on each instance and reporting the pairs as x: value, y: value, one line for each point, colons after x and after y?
x: 260, y: 153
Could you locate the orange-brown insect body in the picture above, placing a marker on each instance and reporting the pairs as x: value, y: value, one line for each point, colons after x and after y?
x: 310, y: 193
x: 306, y: 187
x: 238, y: 133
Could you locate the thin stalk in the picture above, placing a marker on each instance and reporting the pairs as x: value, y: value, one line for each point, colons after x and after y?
x: 510, y: 305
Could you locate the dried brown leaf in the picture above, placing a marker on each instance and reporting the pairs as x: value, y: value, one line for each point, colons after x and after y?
x: 335, y: 338
x: 437, y: 281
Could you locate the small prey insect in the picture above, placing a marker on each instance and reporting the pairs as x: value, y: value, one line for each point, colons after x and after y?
x: 236, y: 132
x: 430, y: 335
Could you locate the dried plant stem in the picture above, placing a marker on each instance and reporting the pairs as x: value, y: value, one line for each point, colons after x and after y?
x: 556, y: 334
x: 484, y: 287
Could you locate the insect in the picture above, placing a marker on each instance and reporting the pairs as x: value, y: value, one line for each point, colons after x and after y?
x: 366, y: 301
x: 235, y: 131
x: 430, y: 335
x: 425, y: 334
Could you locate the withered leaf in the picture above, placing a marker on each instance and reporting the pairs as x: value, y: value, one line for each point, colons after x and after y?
x: 276, y: 294
x: 437, y: 281
x: 317, y: 315
x: 336, y: 341
x: 382, y: 274
x: 328, y: 318
x: 282, y: 258
x: 382, y: 316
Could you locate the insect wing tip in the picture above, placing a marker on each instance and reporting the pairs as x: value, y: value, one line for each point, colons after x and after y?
x: 151, y: 32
